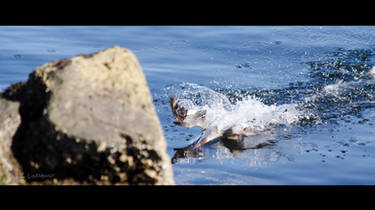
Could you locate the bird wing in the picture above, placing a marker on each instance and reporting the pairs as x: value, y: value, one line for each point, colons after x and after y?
x: 185, y: 117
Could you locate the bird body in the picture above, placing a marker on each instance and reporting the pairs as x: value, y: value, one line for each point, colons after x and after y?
x: 192, y: 118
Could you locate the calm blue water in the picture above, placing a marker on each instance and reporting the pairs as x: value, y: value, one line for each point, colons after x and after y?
x: 326, y: 70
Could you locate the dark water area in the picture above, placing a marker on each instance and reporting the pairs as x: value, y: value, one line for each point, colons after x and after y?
x: 311, y: 87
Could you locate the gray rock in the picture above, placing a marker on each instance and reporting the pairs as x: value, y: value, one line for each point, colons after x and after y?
x: 90, y: 119
x: 10, y: 171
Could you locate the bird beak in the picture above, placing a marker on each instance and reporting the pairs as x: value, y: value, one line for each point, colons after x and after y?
x: 233, y: 137
x: 199, y: 143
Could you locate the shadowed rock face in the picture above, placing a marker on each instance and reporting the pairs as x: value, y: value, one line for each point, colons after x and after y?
x: 90, y: 119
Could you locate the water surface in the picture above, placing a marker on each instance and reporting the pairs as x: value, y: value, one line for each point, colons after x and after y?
x: 326, y: 72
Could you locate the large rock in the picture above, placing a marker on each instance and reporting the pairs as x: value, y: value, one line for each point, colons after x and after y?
x: 90, y: 119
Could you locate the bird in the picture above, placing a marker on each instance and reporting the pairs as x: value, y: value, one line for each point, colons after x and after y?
x: 192, y: 118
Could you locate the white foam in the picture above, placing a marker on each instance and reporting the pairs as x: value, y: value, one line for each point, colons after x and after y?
x: 334, y: 88
x: 372, y: 72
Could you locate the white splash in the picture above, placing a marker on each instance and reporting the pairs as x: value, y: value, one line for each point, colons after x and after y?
x: 250, y: 112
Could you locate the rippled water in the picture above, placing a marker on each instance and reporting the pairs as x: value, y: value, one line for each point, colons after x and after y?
x: 311, y: 87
